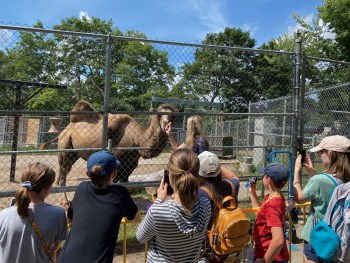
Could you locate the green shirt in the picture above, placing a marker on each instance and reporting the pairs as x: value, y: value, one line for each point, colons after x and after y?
x: 318, y: 190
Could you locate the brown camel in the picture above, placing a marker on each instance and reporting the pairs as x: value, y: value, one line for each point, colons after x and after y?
x: 85, y: 131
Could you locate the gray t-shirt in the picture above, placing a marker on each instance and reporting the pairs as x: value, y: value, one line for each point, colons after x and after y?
x: 18, y: 241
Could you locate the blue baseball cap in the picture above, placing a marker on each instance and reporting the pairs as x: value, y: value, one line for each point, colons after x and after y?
x: 277, y: 172
x: 105, y: 159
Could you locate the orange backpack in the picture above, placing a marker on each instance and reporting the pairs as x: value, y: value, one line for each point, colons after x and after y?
x: 230, y: 232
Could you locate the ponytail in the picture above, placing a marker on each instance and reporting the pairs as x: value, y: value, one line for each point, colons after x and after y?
x: 184, y: 167
x: 187, y: 187
x: 35, y: 177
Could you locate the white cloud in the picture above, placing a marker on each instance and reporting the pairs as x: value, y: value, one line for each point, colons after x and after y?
x: 294, y: 28
x: 210, y: 14
x: 201, y: 16
x: 252, y: 28
x: 84, y: 13
x: 326, y: 31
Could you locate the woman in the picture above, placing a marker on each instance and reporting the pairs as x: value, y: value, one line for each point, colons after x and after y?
x: 334, y: 152
x: 19, y: 241
x: 211, y: 175
x: 177, y: 227
x: 195, y: 138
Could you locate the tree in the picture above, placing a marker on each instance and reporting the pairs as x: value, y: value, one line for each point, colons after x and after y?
x: 222, y: 75
x: 336, y: 14
x: 138, y: 69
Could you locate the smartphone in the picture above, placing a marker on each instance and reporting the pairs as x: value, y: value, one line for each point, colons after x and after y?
x: 252, y: 181
x: 170, y: 190
x: 303, y: 155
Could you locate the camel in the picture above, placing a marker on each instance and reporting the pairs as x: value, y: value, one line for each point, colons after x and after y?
x: 85, y: 131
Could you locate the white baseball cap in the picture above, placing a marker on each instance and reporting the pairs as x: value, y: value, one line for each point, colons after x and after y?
x: 334, y: 143
x: 209, y: 164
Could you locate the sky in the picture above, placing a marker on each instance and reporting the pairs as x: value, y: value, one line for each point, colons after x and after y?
x: 170, y: 20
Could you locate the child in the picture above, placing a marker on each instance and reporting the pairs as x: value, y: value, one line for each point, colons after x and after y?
x: 176, y: 227
x: 96, y: 211
x: 269, y: 239
x: 19, y: 242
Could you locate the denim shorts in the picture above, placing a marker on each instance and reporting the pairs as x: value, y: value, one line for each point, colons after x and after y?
x: 309, y: 252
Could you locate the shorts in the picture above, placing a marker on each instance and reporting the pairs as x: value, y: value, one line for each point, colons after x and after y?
x: 309, y: 252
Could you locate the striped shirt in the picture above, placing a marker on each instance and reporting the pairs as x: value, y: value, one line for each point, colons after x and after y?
x: 174, y: 235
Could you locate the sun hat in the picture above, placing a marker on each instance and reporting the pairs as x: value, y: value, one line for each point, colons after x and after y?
x: 277, y: 172
x: 105, y: 159
x: 336, y: 143
x: 209, y: 164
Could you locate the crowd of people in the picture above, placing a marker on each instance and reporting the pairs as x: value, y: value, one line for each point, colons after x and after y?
x: 175, y: 226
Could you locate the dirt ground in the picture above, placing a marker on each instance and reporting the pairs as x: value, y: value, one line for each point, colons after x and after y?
x: 136, y: 254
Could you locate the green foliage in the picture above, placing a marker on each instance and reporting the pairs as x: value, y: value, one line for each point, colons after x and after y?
x: 219, y: 75
x: 336, y: 14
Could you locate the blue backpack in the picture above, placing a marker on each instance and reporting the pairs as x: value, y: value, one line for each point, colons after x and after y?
x: 330, y: 237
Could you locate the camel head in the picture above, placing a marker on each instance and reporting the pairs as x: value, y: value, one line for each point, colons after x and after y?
x: 166, y: 118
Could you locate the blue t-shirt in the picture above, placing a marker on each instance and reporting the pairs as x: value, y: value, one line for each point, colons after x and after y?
x: 201, y: 145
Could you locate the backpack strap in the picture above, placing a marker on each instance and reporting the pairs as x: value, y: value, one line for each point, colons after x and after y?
x: 233, y: 192
x: 333, y: 180
x: 208, y: 192
x: 226, y: 198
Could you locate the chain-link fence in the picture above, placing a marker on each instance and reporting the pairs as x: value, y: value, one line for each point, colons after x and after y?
x: 44, y: 73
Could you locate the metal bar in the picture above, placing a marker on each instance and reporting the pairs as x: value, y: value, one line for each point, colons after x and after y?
x: 328, y: 60
x: 51, y: 113
x: 106, y: 93
x: 141, y: 40
x: 32, y: 84
x: 15, y: 134
x: 328, y: 111
x: 296, y: 96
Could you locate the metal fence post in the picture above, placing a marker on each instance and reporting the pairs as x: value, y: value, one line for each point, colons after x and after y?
x: 296, y: 94
x: 107, y: 91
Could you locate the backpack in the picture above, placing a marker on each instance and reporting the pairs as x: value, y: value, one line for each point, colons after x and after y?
x: 230, y: 231
x: 330, y: 238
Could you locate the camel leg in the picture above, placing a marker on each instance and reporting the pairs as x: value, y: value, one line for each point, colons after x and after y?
x: 127, y: 166
x: 66, y: 161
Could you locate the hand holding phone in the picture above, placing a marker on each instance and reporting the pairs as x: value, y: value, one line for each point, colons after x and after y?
x: 170, y: 190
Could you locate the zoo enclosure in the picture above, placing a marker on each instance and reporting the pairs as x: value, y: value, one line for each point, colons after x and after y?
x: 254, y: 124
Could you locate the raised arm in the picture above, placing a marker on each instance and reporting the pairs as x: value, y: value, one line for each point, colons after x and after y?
x: 253, y: 196
x: 172, y: 140
x: 297, y: 190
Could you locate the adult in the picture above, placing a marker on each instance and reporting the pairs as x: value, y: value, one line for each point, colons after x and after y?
x: 176, y: 227
x: 96, y: 211
x: 220, y: 182
x: 195, y: 136
x: 334, y: 152
x: 32, y: 230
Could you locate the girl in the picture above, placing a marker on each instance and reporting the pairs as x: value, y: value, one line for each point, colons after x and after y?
x: 195, y: 138
x: 32, y: 230
x: 176, y: 227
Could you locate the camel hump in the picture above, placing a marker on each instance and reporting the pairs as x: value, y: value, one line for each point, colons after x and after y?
x: 83, y: 106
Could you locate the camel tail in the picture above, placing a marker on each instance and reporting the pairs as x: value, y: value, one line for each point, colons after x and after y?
x: 48, y: 143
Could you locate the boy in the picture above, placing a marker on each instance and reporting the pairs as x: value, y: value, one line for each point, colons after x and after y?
x: 269, y: 239
x: 96, y: 211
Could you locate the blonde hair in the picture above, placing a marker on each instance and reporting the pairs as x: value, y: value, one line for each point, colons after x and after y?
x: 184, y: 169
x: 194, y: 130
x: 39, y: 176
x: 340, y: 165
